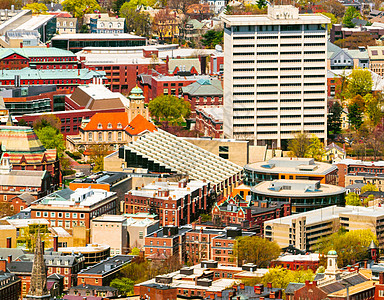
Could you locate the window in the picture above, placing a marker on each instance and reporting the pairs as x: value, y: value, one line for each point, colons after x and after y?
x: 119, y: 136
x: 67, y: 224
x: 60, y: 215
x: 109, y: 136
x: 45, y: 214
x: 99, y: 126
x: 53, y: 214
x: 90, y: 137
x: 82, y: 216
x: 38, y: 214
x: 100, y: 136
x: 109, y: 125
x: 67, y: 215
x: 74, y: 215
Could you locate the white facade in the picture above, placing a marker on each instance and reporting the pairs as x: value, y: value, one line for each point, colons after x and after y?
x: 216, y: 5
x: 110, y: 25
x: 275, y: 79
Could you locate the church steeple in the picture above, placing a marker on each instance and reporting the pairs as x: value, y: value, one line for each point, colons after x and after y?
x: 38, y: 289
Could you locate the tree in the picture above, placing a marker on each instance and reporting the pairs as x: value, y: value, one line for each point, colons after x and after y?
x: 332, y: 17
x: 135, y: 251
x: 261, y: 4
x: 334, y: 118
x: 37, y: 8
x: 350, y: 246
x: 169, y: 109
x: 47, y: 120
x: 356, y: 39
x: 6, y: 4
x: 256, y: 250
x: 124, y: 285
x: 355, y: 112
x: 350, y: 14
x: 97, y: 154
x: 78, y: 8
x: 116, y: 5
x: 6, y: 210
x: 353, y: 199
x: 334, y: 7
x: 137, y: 22
x: 299, y: 145
x: 376, y: 140
x: 164, y: 23
x: 316, y: 149
x: 135, y: 4
x: 373, y: 110
x: 281, y: 277
x: 369, y: 187
x: 51, y: 139
x: 212, y: 38
x: 359, y: 83
x: 181, y: 5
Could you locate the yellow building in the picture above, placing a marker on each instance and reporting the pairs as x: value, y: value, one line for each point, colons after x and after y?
x: 334, y: 153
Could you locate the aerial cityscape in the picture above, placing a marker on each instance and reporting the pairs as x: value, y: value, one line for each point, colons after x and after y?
x: 192, y: 150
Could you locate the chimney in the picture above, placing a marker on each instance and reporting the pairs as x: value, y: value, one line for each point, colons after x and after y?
x: 9, y: 242
x: 155, y: 234
x: 193, y: 226
x: 242, y: 286
x: 272, y: 295
x: 381, y: 277
x: 55, y: 243
x: 3, y: 265
x: 269, y: 285
x: 21, y: 44
x: 9, y: 258
x: 259, y: 288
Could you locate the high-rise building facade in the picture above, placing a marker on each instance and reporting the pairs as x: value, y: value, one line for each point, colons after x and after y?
x: 275, y: 76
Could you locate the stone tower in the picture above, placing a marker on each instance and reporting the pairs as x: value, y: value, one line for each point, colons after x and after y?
x: 38, y: 289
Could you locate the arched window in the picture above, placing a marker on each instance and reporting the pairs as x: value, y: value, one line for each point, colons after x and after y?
x: 100, y: 136
x: 109, y: 125
x: 119, y: 136
x: 99, y: 126
x: 109, y: 136
x: 90, y: 136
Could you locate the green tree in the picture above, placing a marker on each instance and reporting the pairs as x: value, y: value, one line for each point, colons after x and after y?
x: 116, y: 5
x: 37, y: 8
x: 254, y: 249
x: 350, y: 246
x: 124, y: 285
x: 212, y: 38
x: 134, y: 4
x: 78, y: 8
x: 137, y: 22
x: 353, y: 199
x: 51, y: 139
x: 47, y: 120
x: 169, y: 109
x: 316, y: 149
x: 350, y: 14
x: 369, y: 198
x: 261, y: 4
x: 334, y: 118
x: 299, y: 145
x: 355, y: 112
x: 359, y: 83
x: 369, y: 187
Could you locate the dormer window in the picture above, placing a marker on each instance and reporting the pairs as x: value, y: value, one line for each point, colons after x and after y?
x: 109, y: 125
x: 119, y: 125
x: 99, y: 126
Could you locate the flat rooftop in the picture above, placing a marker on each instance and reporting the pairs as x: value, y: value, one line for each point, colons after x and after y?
x: 330, y: 213
x: 359, y: 162
x: 88, y: 249
x: 97, y: 36
x: 110, y: 218
x: 292, y: 165
x: 296, y: 188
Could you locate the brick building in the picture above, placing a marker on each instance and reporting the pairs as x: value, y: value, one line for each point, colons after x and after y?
x: 62, y: 78
x: 297, y: 262
x: 203, y: 92
x: 9, y: 282
x: 27, y: 153
x: 69, y: 209
x: 36, y: 58
x: 104, y: 272
x: 176, y: 203
x: 209, y: 121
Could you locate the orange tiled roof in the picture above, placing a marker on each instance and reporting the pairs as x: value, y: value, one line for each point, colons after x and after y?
x: 138, y: 125
x: 105, y: 119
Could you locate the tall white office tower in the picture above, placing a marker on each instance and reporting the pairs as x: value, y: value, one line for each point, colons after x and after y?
x: 275, y: 76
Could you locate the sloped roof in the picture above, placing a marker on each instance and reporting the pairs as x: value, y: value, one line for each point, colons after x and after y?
x: 292, y: 287
x: 28, y: 178
x: 119, y: 121
x: 333, y: 145
x: 184, y: 63
x: 27, y: 73
x: 204, y: 87
x: 36, y: 52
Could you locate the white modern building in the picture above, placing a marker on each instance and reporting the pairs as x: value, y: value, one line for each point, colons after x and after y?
x: 275, y: 76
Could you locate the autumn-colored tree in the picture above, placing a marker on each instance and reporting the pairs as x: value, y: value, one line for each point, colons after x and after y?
x: 359, y: 83
x: 369, y: 187
x: 47, y: 120
x: 6, y: 210
x: 165, y: 23
x: 281, y: 277
x: 333, y: 7
x: 181, y: 5
x: 97, y: 154
x: 355, y: 112
x: 356, y: 39
x: 376, y: 140
x: 299, y: 145
x: 78, y: 8
x: 7, y: 4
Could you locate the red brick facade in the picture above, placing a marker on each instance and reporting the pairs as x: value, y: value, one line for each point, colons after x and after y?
x: 208, y: 125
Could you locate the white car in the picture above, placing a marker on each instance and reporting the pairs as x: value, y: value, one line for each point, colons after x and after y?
x: 79, y: 174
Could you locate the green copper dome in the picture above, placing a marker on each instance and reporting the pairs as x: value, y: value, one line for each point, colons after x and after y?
x: 332, y: 252
x: 136, y: 90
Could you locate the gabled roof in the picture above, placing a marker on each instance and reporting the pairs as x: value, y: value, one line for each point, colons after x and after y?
x: 119, y: 121
x: 204, y: 87
x: 332, y: 146
x: 184, y: 64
